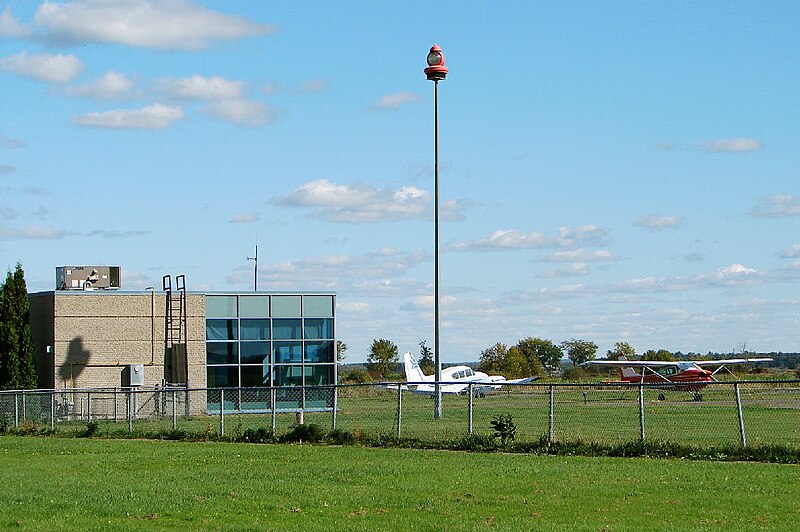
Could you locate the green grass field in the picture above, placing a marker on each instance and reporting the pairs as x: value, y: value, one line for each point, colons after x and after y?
x: 70, y: 484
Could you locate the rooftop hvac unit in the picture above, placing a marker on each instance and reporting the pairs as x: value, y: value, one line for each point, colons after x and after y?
x: 87, y: 277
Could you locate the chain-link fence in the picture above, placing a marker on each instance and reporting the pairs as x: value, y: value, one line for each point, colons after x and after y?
x: 744, y: 412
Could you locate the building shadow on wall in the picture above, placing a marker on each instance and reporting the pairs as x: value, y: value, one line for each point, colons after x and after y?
x: 75, y: 363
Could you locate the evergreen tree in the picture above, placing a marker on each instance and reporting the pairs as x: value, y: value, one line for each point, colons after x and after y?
x: 17, y: 367
x: 426, y: 362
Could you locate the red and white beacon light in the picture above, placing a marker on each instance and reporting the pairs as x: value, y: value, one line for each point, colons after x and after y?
x: 436, y: 70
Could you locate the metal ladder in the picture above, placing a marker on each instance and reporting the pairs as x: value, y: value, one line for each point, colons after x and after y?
x: 175, y: 323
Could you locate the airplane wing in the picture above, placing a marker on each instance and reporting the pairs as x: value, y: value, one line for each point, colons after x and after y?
x: 521, y: 381
x: 629, y: 363
x: 730, y: 361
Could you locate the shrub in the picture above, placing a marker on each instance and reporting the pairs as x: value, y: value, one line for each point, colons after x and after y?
x: 311, y: 433
x: 92, y: 428
x: 355, y: 376
x: 259, y: 435
x: 504, y: 428
x: 341, y: 437
x: 575, y: 374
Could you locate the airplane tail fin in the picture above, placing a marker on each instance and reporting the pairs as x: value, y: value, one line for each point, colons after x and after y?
x: 627, y: 372
x: 413, y: 371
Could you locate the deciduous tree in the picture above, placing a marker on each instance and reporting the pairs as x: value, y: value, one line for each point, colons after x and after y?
x: 579, y: 351
x: 17, y: 367
x: 621, y: 349
x: 540, y: 354
x: 382, y: 357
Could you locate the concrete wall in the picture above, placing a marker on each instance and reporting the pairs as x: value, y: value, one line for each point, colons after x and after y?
x: 96, y: 334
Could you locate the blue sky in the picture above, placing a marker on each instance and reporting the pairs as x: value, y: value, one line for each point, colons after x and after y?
x: 611, y: 171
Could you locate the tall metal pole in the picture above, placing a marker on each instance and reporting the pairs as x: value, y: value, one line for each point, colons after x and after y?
x: 435, y: 72
x: 437, y: 358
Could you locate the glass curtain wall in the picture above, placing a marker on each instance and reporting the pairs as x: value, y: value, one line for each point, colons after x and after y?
x: 259, y: 340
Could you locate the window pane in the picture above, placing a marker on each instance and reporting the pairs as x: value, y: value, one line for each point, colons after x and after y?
x: 255, y: 376
x: 223, y: 377
x: 287, y: 376
x: 319, y: 375
x: 319, y: 352
x: 318, y: 328
x: 288, y: 352
x: 255, y: 329
x: 318, y: 306
x: 254, y: 306
x: 220, y: 306
x: 286, y: 306
x: 286, y: 329
x: 222, y: 353
x: 221, y: 330
x: 254, y: 352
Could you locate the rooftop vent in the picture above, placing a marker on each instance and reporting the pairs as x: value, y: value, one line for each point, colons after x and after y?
x: 88, y: 277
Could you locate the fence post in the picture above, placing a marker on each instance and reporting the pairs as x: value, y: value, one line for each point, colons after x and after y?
x: 129, y: 406
x: 551, y: 428
x: 222, y: 412
x: 88, y: 406
x: 174, y: 409
x: 16, y: 411
x: 53, y: 410
x: 742, y: 432
x: 399, y: 410
x: 115, y: 405
x: 335, y: 406
x: 641, y: 411
x: 273, y: 397
x: 469, y: 408
x: 24, y: 407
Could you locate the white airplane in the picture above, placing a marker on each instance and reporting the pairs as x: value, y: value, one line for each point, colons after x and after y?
x: 455, y: 380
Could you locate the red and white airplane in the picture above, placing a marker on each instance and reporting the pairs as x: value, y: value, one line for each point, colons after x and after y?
x: 687, y: 375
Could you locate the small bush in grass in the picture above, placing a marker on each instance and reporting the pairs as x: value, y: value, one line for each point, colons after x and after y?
x: 92, y: 428
x: 341, y: 437
x: 504, y: 428
x: 311, y: 433
x: 258, y: 435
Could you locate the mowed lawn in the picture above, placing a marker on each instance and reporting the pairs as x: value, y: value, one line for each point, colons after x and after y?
x: 67, y: 484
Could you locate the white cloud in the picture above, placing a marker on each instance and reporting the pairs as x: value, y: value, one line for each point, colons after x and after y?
x: 376, y: 274
x: 9, y: 27
x: 513, y: 239
x: 104, y: 233
x: 731, y: 145
x: 792, y: 252
x: 202, y: 88
x: 110, y: 85
x: 355, y: 307
x: 358, y: 202
x: 31, y: 232
x: 311, y: 86
x: 155, y: 116
x: 245, y: 218
x: 43, y: 67
x: 581, y: 255
x: 399, y: 99
x: 656, y: 222
x: 249, y: 113
x: 576, y: 269
x: 779, y: 205
x: 167, y: 24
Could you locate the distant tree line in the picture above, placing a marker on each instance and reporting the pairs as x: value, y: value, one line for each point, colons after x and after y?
x: 533, y: 356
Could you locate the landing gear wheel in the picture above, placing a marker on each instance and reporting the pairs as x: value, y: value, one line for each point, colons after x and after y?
x: 481, y: 395
x: 697, y: 397
x: 661, y: 397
